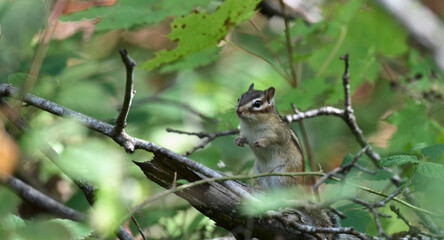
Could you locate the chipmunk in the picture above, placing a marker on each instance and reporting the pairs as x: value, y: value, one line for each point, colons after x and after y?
x: 274, y: 143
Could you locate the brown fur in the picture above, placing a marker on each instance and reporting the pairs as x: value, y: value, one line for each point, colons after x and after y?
x: 273, y: 142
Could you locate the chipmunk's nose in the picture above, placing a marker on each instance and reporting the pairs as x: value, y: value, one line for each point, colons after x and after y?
x: 238, y: 111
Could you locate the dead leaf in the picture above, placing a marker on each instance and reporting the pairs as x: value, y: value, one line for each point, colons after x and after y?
x: 153, y: 37
x: 67, y: 29
x: 383, y: 134
x: 9, y: 154
x: 75, y: 6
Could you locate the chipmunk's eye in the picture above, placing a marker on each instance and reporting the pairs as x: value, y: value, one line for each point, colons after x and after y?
x: 238, y: 99
x: 257, y: 104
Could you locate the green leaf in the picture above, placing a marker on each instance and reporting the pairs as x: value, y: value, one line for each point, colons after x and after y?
x: 17, y: 79
x: 398, y: 160
x: 21, y: 21
x: 8, y: 201
x: 11, y: 221
x: 413, y: 124
x: 307, y: 94
x: 130, y: 13
x: 78, y: 230
x: 44, y: 231
x: 347, y: 159
x: 194, y: 60
x: 94, y: 161
x: 416, y: 149
x: 390, y: 39
x: 431, y: 170
x: 88, y: 98
x: 433, y: 151
x: 358, y: 219
x: 182, y: 181
x: 201, y: 30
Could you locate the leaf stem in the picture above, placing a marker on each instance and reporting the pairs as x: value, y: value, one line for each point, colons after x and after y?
x: 295, y: 81
x: 287, y: 78
x: 333, y: 51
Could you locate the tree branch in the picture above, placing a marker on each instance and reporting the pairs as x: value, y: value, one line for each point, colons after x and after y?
x: 129, y: 92
x: 33, y: 196
x: 206, y: 195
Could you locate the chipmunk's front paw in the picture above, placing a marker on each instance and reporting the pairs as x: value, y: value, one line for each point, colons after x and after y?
x: 260, y: 143
x: 240, y: 141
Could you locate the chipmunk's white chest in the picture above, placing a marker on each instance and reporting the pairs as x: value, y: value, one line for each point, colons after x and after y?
x: 253, y: 132
x: 269, y: 158
x: 264, y: 155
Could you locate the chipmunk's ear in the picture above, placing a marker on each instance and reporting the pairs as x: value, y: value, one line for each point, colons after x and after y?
x: 269, y: 94
x: 251, y: 88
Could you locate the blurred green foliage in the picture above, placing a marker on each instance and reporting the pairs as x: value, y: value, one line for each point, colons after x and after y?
x: 397, y: 97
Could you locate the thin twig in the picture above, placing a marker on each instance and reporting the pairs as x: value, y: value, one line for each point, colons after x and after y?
x: 122, y: 234
x: 372, y: 207
x: 288, y: 44
x: 315, y: 230
x: 12, y: 115
x: 138, y: 227
x: 349, y: 115
x: 337, y: 212
x: 308, y: 149
x: 413, y: 230
x: 322, y: 111
x: 174, y: 184
x: 333, y: 51
x: 208, y: 137
x: 283, y: 75
x: 343, y: 169
x: 400, y: 216
x: 129, y: 92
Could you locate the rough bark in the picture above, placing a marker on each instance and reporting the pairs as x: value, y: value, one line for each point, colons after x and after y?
x: 221, y: 204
